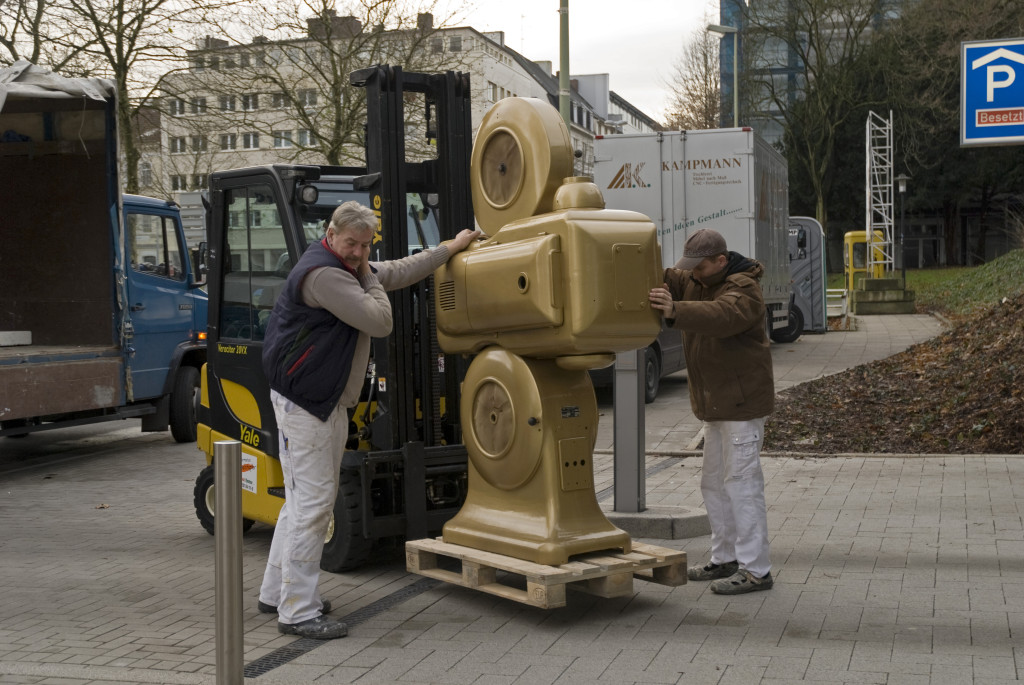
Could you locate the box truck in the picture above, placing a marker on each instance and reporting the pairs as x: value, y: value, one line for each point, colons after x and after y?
x: 729, y: 180
x: 101, y: 312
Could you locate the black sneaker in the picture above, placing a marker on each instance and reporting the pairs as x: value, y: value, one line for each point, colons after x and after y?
x: 741, y: 582
x: 265, y: 608
x: 319, y: 628
x: 710, y: 571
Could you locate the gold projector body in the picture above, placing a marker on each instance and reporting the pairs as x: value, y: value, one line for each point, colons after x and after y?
x: 558, y: 287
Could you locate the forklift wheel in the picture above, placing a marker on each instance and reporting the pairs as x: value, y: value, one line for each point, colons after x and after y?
x: 346, y: 548
x: 204, y: 501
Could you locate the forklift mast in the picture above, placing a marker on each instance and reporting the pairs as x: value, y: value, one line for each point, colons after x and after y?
x: 415, y: 381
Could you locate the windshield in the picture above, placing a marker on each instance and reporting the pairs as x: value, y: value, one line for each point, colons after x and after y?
x: 420, y: 221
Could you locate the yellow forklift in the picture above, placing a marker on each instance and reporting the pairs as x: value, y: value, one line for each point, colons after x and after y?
x: 404, y: 471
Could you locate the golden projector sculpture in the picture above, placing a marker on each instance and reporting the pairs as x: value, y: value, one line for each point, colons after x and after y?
x: 558, y: 287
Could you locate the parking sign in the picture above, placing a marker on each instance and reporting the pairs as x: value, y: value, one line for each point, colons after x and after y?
x: 992, y: 92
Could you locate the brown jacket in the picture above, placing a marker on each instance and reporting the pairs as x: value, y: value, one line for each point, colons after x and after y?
x: 728, y: 359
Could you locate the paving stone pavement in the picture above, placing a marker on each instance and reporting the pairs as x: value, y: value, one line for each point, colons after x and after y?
x: 888, y: 570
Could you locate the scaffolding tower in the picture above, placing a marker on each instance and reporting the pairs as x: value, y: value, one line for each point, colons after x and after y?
x: 878, y: 182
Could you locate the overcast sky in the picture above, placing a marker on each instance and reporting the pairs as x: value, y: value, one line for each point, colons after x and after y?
x: 635, y: 41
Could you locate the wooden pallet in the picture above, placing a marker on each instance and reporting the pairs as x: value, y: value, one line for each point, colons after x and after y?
x: 605, y: 574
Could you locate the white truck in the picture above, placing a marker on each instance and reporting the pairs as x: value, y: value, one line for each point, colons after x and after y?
x: 729, y: 180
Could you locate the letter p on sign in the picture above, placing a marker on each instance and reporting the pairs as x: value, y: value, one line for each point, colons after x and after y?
x: 992, y: 83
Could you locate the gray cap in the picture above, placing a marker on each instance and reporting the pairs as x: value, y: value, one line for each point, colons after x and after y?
x: 703, y: 243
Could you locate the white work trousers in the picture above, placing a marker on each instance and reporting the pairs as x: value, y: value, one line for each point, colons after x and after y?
x: 733, y: 487
x: 310, y: 452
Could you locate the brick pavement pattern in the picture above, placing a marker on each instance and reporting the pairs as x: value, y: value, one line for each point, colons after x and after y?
x: 888, y: 570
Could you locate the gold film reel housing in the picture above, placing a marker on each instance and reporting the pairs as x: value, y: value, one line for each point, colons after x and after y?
x: 559, y: 286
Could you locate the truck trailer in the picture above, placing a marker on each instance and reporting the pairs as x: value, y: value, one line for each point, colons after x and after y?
x: 728, y: 180
x: 101, y: 312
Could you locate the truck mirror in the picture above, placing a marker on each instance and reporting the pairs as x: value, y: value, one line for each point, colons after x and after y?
x: 199, y: 265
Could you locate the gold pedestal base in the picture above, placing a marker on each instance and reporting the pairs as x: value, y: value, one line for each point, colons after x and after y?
x: 531, y: 426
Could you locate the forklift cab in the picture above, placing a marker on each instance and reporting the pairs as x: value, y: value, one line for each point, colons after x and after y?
x: 855, y: 258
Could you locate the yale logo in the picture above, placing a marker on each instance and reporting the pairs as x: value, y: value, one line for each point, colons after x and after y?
x: 249, y: 435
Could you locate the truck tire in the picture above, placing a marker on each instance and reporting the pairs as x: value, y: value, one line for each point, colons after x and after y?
x: 204, y: 500
x: 184, y: 398
x: 345, y: 547
x: 652, y: 375
x: 794, y: 327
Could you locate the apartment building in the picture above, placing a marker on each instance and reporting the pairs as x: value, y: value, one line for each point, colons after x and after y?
x: 288, y: 101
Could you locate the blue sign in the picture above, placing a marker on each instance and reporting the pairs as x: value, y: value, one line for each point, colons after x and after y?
x: 992, y: 92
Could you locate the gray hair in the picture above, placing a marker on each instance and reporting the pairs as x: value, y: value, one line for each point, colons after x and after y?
x: 353, y: 216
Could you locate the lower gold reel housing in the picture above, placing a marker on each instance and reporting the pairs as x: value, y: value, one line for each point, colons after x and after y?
x: 558, y: 288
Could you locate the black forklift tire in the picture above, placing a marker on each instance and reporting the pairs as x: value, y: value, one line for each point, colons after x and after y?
x: 345, y: 547
x: 652, y: 375
x: 184, y: 398
x: 204, y: 501
x: 794, y: 327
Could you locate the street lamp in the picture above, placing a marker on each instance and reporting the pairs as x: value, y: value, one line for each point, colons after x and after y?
x: 901, y: 181
x: 723, y: 30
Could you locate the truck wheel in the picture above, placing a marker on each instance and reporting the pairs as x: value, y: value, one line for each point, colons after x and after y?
x: 346, y: 548
x: 652, y: 375
x: 794, y: 327
x: 184, y: 398
x: 204, y: 500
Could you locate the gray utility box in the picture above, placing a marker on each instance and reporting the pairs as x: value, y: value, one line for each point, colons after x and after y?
x: 807, y: 270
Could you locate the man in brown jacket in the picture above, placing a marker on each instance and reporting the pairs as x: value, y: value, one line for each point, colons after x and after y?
x: 714, y: 296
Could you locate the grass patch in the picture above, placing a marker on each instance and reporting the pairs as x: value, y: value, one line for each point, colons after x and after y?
x: 959, y: 291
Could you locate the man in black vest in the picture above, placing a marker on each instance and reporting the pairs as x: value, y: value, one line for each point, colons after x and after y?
x: 315, y: 355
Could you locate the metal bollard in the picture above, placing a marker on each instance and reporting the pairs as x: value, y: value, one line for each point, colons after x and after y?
x: 227, y: 516
x: 630, y: 439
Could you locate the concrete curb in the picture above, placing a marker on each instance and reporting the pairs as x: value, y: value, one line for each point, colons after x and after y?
x: 663, y: 523
x: 682, y: 454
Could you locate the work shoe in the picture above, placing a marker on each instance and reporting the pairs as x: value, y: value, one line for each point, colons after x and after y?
x: 711, y: 571
x: 319, y: 628
x: 265, y: 608
x: 741, y: 582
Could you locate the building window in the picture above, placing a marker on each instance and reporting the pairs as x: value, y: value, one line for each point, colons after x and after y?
x: 198, y: 105
x: 243, y: 60
x: 198, y: 63
x: 279, y: 100
x: 145, y: 174
x: 227, y: 103
x: 282, y: 139
x: 492, y: 92
x: 198, y: 181
x: 250, y: 141
x: 455, y: 44
x: 250, y: 102
x: 306, y: 137
x: 227, y: 141
x: 307, y: 98
x: 215, y: 62
x: 198, y: 143
x: 436, y: 45
x: 177, y: 145
x: 177, y: 107
x: 178, y: 182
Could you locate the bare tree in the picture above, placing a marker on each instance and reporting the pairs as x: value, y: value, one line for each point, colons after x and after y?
x: 41, y: 32
x: 695, y: 101
x: 805, y: 66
